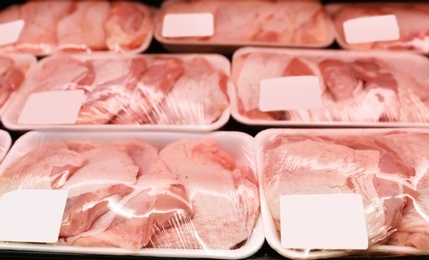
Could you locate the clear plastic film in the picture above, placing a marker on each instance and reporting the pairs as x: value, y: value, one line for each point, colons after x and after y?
x: 14, y: 69
x: 287, y: 23
x: 5, y: 143
x: 188, y: 91
x: 74, y: 26
x: 367, y: 89
x: 409, y: 17
x: 388, y: 168
x: 144, y: 194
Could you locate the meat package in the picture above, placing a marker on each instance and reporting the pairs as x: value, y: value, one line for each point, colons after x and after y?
x: 144, y: 193
x: 372, y: 88
x: 14, y: 69
x: 239, y: 23
x: 411, y: 19
x: 134, y: 91
x: 5, y: 143
x: 79, y: 26
x: 387, y: 167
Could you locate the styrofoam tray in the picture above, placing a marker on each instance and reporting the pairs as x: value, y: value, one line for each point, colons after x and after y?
x: 218, y: 62
x: 334, y: 7
x: 25, y: 61
x: 179, y: 45
x: 413, y: 64
x: 142, y: 48
x: 272, y: 235
x: 239, y: 145
x: 5, y: 143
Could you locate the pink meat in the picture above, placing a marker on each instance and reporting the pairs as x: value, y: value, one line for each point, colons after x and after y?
x: 151, y: 90
x: 62, y: 73
x: 224, y: 197
x: 48, y: 166
x: 10, y: 14
x: 294, y: 165
x: 127, y: 26
x: 197, y: 98
x: 11, y: 79
x: 81, y: 30
x: 104, y: 164
x: 39, y: 32
x: 248, y: 71
x: 115, y: 80
x: 157, y: 200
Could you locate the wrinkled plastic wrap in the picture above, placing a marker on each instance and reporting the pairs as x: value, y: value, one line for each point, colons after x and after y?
x: 272, y: 23
x: 357, y: 88
x: 135, y: 91
x: 5, y: 143
x: 13, y: 70
x: 80, y: 26
x: 412, y: 20
x: 389, y: 168
x: 150, y: 194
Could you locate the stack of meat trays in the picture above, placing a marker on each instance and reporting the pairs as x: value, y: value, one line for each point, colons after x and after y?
x: 285, y: 87
x: 47, y: 27
x: 138, y: 193
x: 386, y: 170
x: 124, y: 91
x: 223, y: 26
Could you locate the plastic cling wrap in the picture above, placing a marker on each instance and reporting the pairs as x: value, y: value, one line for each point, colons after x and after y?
x: 388, y: 168
x: 150, y: 194
x: 239, y: 23
x: 355, y: 88
x: 411, y: 19
x: 134, y: 91
x: 79, y: 26
x: 5, y: 143
x: 14, y: 69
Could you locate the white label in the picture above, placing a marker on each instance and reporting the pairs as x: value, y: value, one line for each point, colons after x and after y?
x: 188, y: 25
x: 290, y: 93
x: 371, y: 29
x: 52, y: 107
x: 32, y: 215
x: 9, y: 32
x: 323, y: 221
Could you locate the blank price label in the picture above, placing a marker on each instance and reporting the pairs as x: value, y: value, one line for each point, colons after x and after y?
x: 323, y: 221
x: 188, y: 25
x: 371, y: 29
x: 10, y: 32
x: 290, y: 93
x: 32, y: 215
x: 52, y: 107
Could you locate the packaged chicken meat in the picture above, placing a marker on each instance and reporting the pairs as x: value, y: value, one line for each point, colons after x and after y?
x: 46, y: 27
x: 147, y: 194
x: 163, y: 92
x: 14, y: 69
x: 329, y: 88
x: 5, y: 143
x: 225, y: 25
x: 382, y: 26
x: 387, y: 168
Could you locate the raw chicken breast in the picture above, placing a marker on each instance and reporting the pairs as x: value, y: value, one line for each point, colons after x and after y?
x: 127, y: 26
x: 224, y: 196
x: 198, y: 97
x: 11, y: 78
x: 81, y: 29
